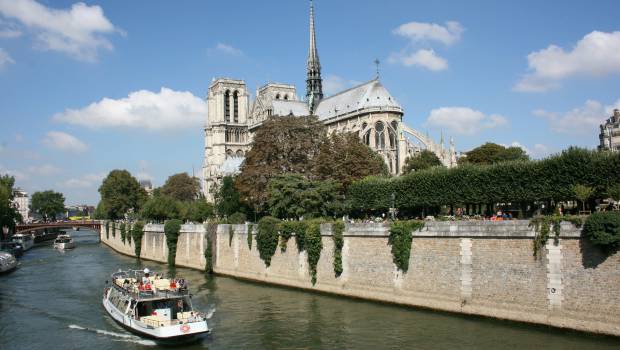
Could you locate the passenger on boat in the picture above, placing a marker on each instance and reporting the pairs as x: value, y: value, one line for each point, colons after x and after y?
x: 146, y: 279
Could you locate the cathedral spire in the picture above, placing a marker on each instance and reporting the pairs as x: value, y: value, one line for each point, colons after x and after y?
x: 314, y: 88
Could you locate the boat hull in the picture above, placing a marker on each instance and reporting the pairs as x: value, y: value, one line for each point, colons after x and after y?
x: 168, y: 334
x: 64, y: 246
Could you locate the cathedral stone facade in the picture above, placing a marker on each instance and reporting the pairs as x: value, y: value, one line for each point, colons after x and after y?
x: 367, y: 109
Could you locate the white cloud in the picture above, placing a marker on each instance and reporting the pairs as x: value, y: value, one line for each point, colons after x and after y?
x: 5, y: 59
x: 419, y: 31
x: 596, y: 54
x: 583, y: 120
x: 226, y: 49
x: 538, y: 151
x: 86, y: 181
x: 424, y: 58
x: 64, y: 142
x: 163, y: 110
x: 8, y: 33
x: 17, y: 174
x: 463, y: 120
x: 43, y: 170
x: 333, y: 84
x: 78, y: 31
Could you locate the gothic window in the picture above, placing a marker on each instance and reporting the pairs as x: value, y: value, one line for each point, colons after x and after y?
x: 392, y: 135
x: 239, y: 153
x: 227, y: 136
x: 286, y: 97
x: 395, y: 125
x: 236, y: 105
x: 229, y: 153
x: 227, y: 106
x: 366, y: 138
x: 379, y: 135
x: 364, y: 125
x: 277, y: 96
x: 391, y: 165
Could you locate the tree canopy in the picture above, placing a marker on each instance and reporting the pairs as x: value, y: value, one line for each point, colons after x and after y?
x: 492, y: 153
x: 292, y: 196
x: 344, y: 158
x: 160, y: 208
x: 426, y: 159
x: 48, y: 204
x: 120, y: 192
x: 9, y: 215
x: 228, y: 199
x: 181, y: 187
x: 281, y: 145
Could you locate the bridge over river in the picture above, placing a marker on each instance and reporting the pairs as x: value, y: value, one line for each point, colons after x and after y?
x: 37, y: 227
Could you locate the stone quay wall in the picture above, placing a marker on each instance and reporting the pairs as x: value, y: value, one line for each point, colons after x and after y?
x: 477, y: 268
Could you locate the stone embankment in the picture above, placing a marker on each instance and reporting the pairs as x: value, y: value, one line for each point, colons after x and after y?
x: 478, y: 268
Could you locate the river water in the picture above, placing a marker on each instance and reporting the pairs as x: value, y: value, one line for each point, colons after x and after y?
x: 53, y: 301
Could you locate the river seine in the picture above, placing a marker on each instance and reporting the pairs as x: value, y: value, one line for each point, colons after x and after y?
x: 53, y: 301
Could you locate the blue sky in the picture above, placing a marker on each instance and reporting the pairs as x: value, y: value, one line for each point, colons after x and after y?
x: 90, y: 87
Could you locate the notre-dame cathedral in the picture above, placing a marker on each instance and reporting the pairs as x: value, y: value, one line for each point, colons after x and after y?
x: 367, y: 109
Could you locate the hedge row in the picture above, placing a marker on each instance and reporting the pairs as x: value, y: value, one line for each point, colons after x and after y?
x: 517, y: 182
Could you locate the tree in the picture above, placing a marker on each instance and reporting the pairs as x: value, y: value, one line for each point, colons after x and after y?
x: 197, y: 211
x: 181, y: 187
x: 292, y: 196
x: 583, y: 193
x: 492, y: 153
x: 426, y: 159
x: 161, y: 208
x: 344, y: 158
x: 48, y: 204
x: 9, y: 215
x: 120, y: 193
x: 228, y: 199
x: 281, y: 145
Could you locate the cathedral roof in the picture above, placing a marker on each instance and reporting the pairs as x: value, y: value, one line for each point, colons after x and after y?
x: 368, y: 95
x: 284, y: 108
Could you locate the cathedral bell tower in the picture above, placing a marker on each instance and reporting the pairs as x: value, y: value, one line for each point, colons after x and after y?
x: 314, y: 83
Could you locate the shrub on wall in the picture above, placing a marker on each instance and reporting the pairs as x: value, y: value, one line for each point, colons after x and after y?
x: 137, y: 231
x: 603, y: 230
x: 237, y: 218
x: 544, y: 225
x: 338, y: 237
x: 231, y: 233
x: 107, y: 230
x: 209, y: 256
x: 171, y: 230
x: 287, y: 229
x: 267, y: 238
x: 250, y: 229
x: 400, y: 240
x: 113, y: 229
x: 300, y: 235
x: 123, y: 233
x: 313, y: 245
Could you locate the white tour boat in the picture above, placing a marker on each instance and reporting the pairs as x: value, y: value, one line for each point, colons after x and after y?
x: 153, y: 306
x: 64, y: 242
x: 7, y: 262
x: 26, y: 240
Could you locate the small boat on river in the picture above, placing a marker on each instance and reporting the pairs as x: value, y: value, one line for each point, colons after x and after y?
x: 153, y: 306
x: 26, y: 240
x: 7, y: 262
x: 63, y: 242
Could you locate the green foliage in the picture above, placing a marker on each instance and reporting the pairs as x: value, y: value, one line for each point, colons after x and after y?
x: 100, y: 212
x: 137, y: 231
x: 113, y: 229
x: 400, y: 240
x: 231, y: 233
x: 292, y: 196
x: 250, y: 230
x: 544, y: 225
x: 267, y: 238
x: 613, y: 191
x: 209, y: 256
x: 237, y: 218
x: 228, y: 199
x: 48, y: 204
x: 197, y: 211
x: 426, y: 159
x: 287, y: 229
x: 181, y: 187
x: 282, y: 145
x: 120, y: 193
x: 107, y: 229
x: 314, y: 245
x: 603, y: 229
x: 338, y: 237
x: 9, y: 215
x: 583, y: 193
x: 508, y: 182
x: 300, y: 234
x: 492, y: 153
x: 344, y: 158
x: 160, y: 208
x: 171, y: 230
x: 123, y: 233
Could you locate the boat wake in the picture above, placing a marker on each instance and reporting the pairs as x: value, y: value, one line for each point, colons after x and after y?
x: 210, y: 314
x: 122, y: 337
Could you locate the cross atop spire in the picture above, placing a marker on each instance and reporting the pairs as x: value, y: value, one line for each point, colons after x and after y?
x: 314, y: 83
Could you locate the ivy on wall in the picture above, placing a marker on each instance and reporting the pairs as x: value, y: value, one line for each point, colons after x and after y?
x: 137, y: 231
x: 113, y: 229
x: 250, y: 229
x: 123, y: 233
x: 209, y: 256
x: 314, y: 245
x: 107, y: 230
x: 267, y: 238
x: 544, y: 225
x: 338, y: 237
x: 171, y: 230
x: 400, y: 240
x: 287, y: 229
x: 231, y: 233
